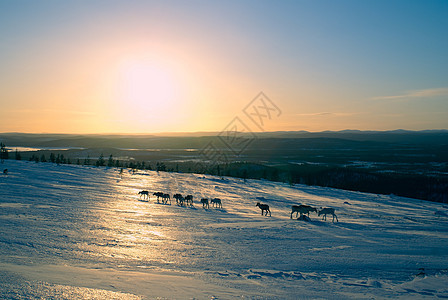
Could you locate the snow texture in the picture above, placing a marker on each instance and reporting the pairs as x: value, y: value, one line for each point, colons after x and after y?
x: 72, y: 232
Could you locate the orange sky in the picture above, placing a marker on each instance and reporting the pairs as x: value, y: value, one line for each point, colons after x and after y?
x: 115, y: 67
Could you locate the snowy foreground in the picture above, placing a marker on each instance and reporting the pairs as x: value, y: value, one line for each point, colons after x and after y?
x: 71, y: 232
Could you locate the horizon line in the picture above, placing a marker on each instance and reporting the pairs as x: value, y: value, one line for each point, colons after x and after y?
x: 210, y: 133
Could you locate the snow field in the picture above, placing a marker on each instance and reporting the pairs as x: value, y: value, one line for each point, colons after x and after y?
x: 69, y: 231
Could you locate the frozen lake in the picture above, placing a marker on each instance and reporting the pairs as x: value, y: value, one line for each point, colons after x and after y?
x: 72, y: 232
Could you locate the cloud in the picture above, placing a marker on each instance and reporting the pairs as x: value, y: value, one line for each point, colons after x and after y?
x: 427, y: 93
x: 315, y: 114
x: 334, y: 114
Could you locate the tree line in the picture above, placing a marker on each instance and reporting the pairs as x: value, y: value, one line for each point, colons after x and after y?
x: 101, y: 161
x: 420, y: 186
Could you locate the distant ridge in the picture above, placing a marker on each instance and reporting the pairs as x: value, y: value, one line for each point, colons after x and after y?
x: 215, y: 133
x: 198, y: 140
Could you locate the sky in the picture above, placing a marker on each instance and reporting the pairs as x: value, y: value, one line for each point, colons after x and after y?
x: 188, y: 66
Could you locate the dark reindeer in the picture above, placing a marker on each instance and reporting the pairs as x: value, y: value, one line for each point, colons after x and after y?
x: 264, y: 207
x: 158, y: 194
x: 302, y: 209
x: 166, y: 198
x: 216, y: 202
x: 204, y: 202
x: 179, y: 199
x: 145, y: 194
x: 189, y: 199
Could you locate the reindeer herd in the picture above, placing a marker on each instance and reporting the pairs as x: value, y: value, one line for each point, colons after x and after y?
x: 303, y: 210
x: 216, y: 202
x: 164, y: 198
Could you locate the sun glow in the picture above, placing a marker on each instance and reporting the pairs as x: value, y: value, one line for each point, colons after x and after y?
x: 147, y: 84
x: 150, y: 94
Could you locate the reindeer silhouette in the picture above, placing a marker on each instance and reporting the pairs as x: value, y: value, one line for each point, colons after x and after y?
x: 145, y: 194
x: 189, y: 199
x: 302, y: 209
x: 158, y: 194
x: 179, y: 199
x: 216, y: 202
x: 204, y: 202
x: 166, y: 198
x: 264, y: 207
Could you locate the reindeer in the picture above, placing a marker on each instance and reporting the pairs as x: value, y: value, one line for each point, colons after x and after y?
x: 166, y: 198
x: 145, y: 194
x: 329, y: 211
x: 302, y: 209
x: 204, y: 202
x: 179, y: 199
x: 158, y: 194
x: 189, y: 199
x: 217, y: 202
x: 264, y: 207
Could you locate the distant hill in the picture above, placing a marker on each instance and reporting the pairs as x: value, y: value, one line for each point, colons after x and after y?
x: 200, y: 139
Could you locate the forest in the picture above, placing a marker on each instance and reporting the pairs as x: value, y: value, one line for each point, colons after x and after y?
x: 404, y: 163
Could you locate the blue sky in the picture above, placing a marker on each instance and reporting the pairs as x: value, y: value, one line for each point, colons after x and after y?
x: 329, y: 65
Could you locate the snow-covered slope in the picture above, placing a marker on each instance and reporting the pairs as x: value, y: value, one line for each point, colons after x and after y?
x: 71, y: 232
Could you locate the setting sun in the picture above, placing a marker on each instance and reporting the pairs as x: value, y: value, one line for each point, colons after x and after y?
x: 148, y: 93
x: 147, y: 85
